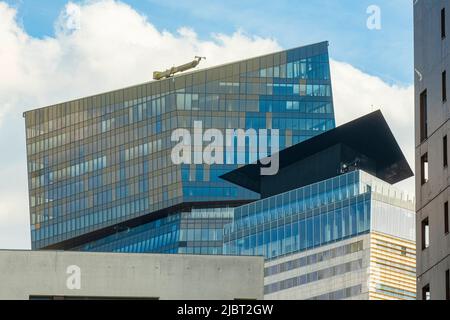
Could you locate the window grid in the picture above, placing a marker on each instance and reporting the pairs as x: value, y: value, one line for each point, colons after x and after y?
x: 72, y: 192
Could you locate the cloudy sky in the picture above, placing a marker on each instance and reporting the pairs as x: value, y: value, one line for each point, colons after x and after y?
x: 56, y: 50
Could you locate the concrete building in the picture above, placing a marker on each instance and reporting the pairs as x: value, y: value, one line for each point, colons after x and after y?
x: 72, y: 275
x: 330, y: 224
x: 432, y: 127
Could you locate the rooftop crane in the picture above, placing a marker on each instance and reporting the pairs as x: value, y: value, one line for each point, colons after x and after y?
x: 159, y: 75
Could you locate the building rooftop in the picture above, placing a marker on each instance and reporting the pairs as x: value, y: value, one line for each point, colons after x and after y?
x: 368, y: 137
x: 166, y: 85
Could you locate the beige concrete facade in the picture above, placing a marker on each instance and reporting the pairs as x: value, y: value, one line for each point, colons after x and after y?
x: 49, y: 274
x: 332, y: 283
x: 374, y: 266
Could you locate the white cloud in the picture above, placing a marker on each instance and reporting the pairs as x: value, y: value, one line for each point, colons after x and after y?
x: 105, y: 45
x: 356, y: 93
x: 98, y: 46
x: 14, y: 218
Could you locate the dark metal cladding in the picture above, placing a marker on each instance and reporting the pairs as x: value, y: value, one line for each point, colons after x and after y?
x: 366, y: 143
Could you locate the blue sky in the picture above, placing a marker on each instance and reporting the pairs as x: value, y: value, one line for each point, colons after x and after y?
x: 113, y: 48
x: 386, y: 53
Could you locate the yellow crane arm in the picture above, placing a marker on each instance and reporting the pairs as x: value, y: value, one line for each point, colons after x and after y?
x: 159, y: 75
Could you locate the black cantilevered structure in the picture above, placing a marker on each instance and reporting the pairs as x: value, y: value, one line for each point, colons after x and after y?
x: 366, y: 143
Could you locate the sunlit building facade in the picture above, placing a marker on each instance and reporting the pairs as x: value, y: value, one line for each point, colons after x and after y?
x: 100, y: 171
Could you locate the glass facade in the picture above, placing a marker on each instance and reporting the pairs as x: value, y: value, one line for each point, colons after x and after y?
x: 197, y: 232
x: 340, y: 294
x: 310, y: 217
x: 99, y: 161
x: 351, y: 236
x: 314, y: 276
x: 314, y: 258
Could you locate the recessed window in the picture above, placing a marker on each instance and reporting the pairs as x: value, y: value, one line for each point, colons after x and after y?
x: 443, y: 33
x: 446, y: 226
x: 423, y: 116
x: 445, y: 150
x: 424, y: 168
x: 425, y: 234
x: 447, y: 285
x: 403, y: 251
x: 444, y: 86
x: 426, y: 294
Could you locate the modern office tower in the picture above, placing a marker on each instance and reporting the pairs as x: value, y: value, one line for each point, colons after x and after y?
x: 101, y: 175
x: 432, y: 61
x: 330, y: 224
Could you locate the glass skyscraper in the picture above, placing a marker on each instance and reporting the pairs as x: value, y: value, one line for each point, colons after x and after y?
x: 328, y: 228
x: 100, y: 170
x: 354, y: 233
